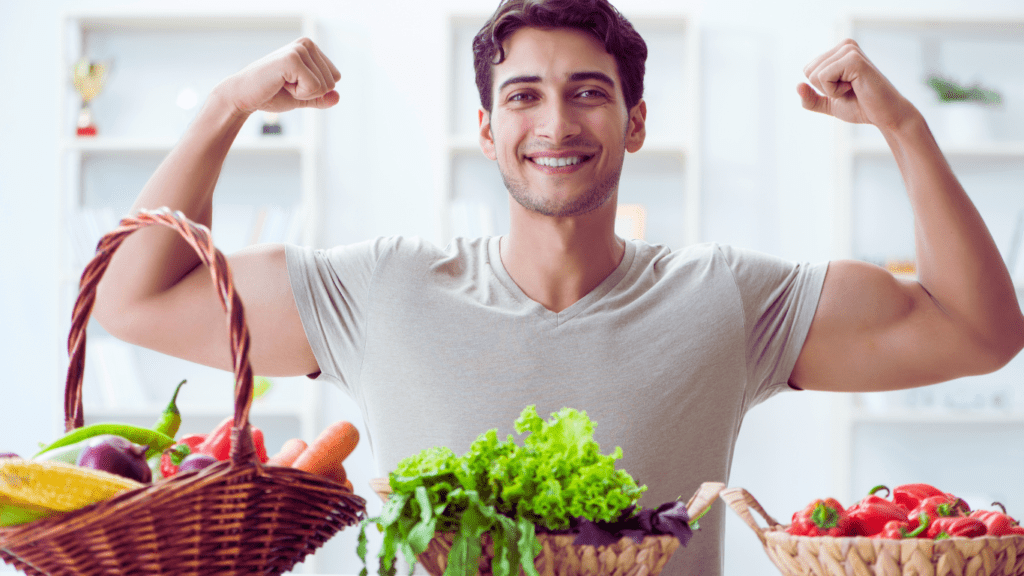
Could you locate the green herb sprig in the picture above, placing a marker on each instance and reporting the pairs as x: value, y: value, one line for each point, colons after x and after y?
x: 949, y: 90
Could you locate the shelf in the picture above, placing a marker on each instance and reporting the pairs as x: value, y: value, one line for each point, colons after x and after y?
x: 102, y: 145
x: 1003, y: 150
x: 157, y: 21
x: 970, y: 417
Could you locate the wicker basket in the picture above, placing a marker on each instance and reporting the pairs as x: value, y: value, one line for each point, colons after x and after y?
x: 862, y: 556
x: 560, y: 557
x: 234, y: 517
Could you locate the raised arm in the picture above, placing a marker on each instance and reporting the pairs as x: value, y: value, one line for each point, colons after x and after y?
x: 960, y: 317
x: 155, y: 292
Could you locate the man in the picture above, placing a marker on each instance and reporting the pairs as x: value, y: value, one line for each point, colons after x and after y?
x: 666, y: 350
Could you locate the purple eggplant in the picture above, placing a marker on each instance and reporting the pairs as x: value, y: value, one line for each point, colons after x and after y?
x: 117, y: 455
x: 8, y: 455
x: 196, y: 461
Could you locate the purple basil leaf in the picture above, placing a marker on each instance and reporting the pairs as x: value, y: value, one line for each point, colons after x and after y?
x: 590, y: 534
x: 672, y: 518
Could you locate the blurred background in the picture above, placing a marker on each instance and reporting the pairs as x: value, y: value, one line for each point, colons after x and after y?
x: 731, y: 157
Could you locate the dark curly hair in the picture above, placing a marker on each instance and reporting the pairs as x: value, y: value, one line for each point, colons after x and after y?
x: 597, y: 17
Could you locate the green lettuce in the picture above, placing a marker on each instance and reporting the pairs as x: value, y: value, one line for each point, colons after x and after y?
x: 556, y: 475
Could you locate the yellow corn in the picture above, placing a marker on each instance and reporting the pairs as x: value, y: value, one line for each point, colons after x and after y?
x: 56, y: 485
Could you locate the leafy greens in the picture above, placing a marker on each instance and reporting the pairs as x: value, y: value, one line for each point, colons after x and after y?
x: 508, y: 490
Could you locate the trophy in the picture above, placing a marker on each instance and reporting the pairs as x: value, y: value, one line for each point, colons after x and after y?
x: 88, y: 79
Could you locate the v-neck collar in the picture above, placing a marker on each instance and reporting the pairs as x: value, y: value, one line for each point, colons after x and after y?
x: 558, y: 318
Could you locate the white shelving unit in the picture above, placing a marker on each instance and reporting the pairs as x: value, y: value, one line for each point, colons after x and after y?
x: 661, y: 181
x: 162, y: 66
x: 963, y: 435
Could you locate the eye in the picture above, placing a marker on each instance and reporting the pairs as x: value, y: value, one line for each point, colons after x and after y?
x: 520, y: 97
x: 591, y: 94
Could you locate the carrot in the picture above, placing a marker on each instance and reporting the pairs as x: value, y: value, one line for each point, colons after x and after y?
x: 326, y: 454
x: 290, y: 450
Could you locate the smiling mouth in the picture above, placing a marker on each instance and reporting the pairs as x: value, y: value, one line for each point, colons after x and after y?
x: 559, y: 162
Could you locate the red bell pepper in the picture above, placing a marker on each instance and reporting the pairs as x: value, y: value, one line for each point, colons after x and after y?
x: 898, y: 530
x: 261, y: 448
x: 873, y: 513
x: 822, y: 518
x: 172, y: 457
x: 909, y: 496
x: 218, y: 442
x: 997, y: 523
x: 192, y: 440
x: 945, y: 505
x: 953, y: 526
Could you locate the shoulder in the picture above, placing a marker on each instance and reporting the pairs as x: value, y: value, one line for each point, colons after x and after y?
x: 752, y: 272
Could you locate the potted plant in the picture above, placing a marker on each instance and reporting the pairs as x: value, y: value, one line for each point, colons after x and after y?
x: 967, y: 108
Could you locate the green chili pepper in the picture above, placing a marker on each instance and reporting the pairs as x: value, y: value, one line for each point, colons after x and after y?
x: 12, y: 515
x: 156, y: 441
x: 170, y: 419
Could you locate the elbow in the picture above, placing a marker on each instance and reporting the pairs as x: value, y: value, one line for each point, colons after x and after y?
x: 111, y: 312
x: 1007, y: 342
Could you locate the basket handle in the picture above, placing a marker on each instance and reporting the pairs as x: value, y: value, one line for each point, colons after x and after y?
x: 702, y: 498
x: 199, y: 238
x: 741, y: 502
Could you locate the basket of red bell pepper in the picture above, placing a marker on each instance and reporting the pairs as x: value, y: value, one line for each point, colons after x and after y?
x: 912, y: 529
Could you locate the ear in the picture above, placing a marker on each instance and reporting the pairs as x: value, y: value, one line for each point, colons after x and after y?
x: 636, y: 131
x: 486, y: 137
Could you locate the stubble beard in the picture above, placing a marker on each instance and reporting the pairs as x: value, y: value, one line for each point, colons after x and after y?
x: 595, y: 197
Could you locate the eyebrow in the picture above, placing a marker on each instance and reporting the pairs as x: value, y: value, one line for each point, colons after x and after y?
x: 574, y: 77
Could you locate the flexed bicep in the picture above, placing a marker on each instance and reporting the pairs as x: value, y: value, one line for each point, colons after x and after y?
x: 188, y: 320
x: 875, y: 332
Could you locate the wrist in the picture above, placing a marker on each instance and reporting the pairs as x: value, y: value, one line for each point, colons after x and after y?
x: 909, y: 124
x: 223, y: 106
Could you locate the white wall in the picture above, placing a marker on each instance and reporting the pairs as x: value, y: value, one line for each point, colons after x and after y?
x: 767, y: 185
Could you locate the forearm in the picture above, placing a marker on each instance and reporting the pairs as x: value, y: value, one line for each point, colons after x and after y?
x: 153, y: 259
x: 958, y: 262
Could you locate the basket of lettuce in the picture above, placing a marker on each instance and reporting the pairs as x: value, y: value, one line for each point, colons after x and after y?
x: 553, y: 505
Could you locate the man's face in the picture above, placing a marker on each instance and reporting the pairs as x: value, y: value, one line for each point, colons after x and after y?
x: 559, y: 127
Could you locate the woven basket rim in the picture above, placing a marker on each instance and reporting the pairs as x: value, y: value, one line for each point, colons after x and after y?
x: 779, y: 533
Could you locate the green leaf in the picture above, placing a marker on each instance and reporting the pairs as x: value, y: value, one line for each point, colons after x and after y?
x: 465, y: 553
x: 529, y: 546
x: 420, y: 534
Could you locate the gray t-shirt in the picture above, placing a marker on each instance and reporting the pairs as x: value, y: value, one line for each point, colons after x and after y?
x: 666, y: 355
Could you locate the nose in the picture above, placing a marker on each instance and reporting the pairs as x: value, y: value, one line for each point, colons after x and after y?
x: 556, y: 122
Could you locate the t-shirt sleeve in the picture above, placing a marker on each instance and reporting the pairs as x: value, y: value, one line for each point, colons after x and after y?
x: 779, y: 300
x: 331, y: 288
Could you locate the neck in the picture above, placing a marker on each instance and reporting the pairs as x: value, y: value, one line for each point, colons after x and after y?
x: 557, y: 261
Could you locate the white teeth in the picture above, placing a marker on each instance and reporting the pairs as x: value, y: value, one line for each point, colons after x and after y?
x: 557, y: 162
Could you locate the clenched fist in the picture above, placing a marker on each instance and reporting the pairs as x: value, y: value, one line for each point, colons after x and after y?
x: 298, y: 75
x: 850, y: 88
